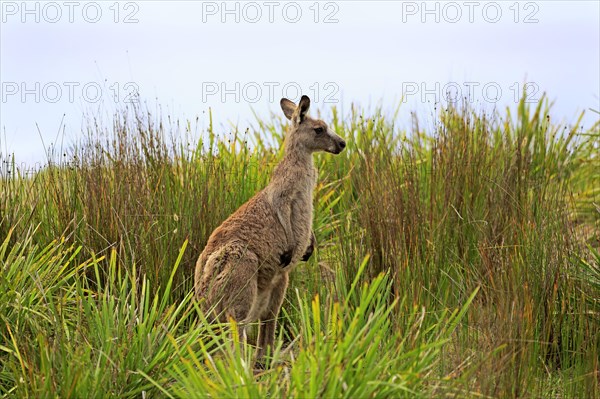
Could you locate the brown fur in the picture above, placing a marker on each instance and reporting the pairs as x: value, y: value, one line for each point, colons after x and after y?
x: 242, y: 272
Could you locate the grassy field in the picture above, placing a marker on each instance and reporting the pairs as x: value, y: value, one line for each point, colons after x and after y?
x: 458, y: 259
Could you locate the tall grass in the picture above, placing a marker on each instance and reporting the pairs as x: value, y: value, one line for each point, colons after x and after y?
x: 456, y: 260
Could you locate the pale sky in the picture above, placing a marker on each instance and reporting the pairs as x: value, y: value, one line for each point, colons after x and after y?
x: 70, y: 58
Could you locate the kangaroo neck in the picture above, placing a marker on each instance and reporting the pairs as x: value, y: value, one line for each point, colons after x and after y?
x: 295, y: 169
x: 302, y: 161
x: 296, y: 154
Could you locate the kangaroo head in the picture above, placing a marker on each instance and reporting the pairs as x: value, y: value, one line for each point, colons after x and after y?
x: 307, y: 134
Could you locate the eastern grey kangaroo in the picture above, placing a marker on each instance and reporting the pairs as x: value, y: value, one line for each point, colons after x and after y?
x: 242, y: 272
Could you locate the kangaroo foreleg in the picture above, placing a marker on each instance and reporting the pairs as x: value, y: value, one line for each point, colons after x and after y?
x: 284, y: 215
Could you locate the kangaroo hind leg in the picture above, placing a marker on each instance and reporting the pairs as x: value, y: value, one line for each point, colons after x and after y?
x: 234, y: 290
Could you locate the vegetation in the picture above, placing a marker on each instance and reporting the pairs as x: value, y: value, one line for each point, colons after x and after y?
x: 459, y: 260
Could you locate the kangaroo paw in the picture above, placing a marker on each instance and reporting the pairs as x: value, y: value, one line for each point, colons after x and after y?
x: 286, y: 258
x: 308, y: 253
x: 310, y: 249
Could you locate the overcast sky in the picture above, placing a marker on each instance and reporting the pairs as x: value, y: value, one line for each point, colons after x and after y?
x: 72, y: 58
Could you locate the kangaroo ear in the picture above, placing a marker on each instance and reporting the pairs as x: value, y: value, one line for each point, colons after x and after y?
x: 304, y: 106
x: 288, y: 107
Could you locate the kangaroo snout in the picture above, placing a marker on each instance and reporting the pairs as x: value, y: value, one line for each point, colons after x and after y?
x: 338, y: 144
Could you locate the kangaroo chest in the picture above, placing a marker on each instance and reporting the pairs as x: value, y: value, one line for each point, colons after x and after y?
x: 291, y: 193
x: 302, y: 211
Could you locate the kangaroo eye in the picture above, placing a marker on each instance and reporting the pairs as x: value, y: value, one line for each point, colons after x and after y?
x: 319, y: 130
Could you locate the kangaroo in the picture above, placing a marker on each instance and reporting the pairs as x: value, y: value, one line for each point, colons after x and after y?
x: 242, y: 273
